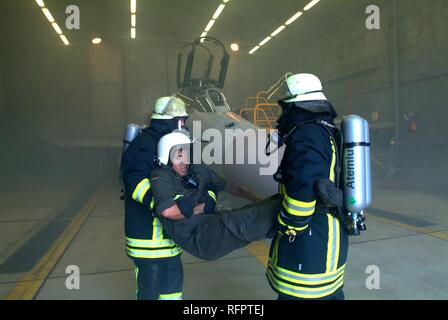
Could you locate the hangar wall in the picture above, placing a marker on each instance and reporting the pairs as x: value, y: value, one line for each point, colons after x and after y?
x: 3, y: 115
x: 2, y: 94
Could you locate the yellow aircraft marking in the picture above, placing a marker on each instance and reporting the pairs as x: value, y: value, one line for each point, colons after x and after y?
x: 28, y: 287
x: 260, y: 251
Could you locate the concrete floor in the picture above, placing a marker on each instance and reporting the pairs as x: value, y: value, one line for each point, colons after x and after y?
x: 412, y: 259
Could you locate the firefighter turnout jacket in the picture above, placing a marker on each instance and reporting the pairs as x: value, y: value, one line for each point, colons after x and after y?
x: 307, y: 258
x: 145, y: 237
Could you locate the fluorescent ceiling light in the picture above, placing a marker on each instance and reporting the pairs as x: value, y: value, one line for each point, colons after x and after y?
x: 215, y: 16
x: 40, y: 3
x: 133, y: 6
x: 204, y: 34
x: 64, y: 39
x: 266, y: 40
x: 210, y: 25
x: 254, y: 49
x: 50, y: 18
x: 133, y: 20
x: 218, y: 11
x: 294, y: 18
x: 234, y: 47
x: 56, y: 28
x: 276, y: 32
x: 310, y: 5
x: 287, y: 23
x: 48, y: 14
x: 97, y: 40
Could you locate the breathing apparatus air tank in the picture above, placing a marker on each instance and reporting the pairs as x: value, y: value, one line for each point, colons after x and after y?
x: 356, y: 175
x: 131, y: 132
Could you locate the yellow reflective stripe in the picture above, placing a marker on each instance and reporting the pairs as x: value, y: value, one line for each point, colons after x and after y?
x: 338, y: 243
x: 275, y: 251
x: 141, y: 189
x: 136, y: 281
x: 310, y: 276
x: 154, y: 231
x: 290, y: 227
x: 157, y: 231
x: 212, y: 194
x: 298, y: 208
x: 151, y: 205
x: 323, y: 281
x: 304, y: 292
x: 330, y: 244
x: 178, y: 196
x: 301, y: 204
x: 333, y: 244
x: 281, y: 189
x: 154, y: 254
x: 297, y: 211
x: 141, y: 243
x: 306, y: 279
x: 333, y: 161
x: 172, y: 296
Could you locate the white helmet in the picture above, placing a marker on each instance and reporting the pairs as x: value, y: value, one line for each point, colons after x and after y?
x: 166, y: 144
x: 167, y: 108
x: 303, y: 87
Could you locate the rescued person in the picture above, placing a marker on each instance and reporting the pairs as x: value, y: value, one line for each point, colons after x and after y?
x: 185, y: 198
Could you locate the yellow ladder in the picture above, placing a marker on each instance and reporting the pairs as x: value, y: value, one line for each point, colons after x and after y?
x: 264, y: 113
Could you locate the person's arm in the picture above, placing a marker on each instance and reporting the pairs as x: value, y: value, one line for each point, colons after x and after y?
x: 137, y: 162
x: 174, y: 212
x: 307, y: 161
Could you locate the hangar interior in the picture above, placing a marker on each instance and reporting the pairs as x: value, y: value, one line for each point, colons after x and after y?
x: 64, y: 107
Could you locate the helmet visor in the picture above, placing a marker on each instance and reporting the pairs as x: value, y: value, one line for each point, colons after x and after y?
x: 176, y: 108
x: 280, y: 88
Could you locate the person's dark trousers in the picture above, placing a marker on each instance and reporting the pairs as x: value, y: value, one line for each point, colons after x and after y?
x: 212, y: 236
x: 337, y: 295
x: 160, y: 279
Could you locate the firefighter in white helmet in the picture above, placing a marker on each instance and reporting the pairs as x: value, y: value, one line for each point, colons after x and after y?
x: 153, y: 253
x: 307, y: 256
